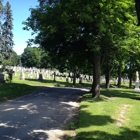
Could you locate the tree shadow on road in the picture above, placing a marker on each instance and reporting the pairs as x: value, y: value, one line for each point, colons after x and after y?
x: 35, y: 114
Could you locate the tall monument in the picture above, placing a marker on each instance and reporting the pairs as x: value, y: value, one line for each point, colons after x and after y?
x: 137, y: 82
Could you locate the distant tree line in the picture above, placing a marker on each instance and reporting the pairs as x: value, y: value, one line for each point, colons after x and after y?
x: 35, y: 57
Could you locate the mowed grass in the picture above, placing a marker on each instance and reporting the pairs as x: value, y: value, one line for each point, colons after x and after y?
x: 13, y: 90
x: 115, y: 116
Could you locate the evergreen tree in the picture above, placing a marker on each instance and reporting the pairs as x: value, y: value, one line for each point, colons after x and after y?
x: 6, y: 35
x: 1, y: 37
x: 7, y: 31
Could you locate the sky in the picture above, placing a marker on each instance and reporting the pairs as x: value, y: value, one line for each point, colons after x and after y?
x: 20, y: 11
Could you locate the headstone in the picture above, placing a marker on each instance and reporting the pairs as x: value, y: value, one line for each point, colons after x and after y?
x: 137, y: 82
x: 40, y: 76
x: 30, y: 75
x: 116, y: 82
x: 54, y: 76
x: 37, y: 75
x: 77, y: 79
x: 61, y: 77
x: 124, y: 80
x: 80, y: 80
x: 69, y: 78
x: 22, y: 75
x: 15, y: 73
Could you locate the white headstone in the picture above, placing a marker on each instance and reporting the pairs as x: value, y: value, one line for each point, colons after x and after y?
x: 22, y: 75
x: 137, y: 82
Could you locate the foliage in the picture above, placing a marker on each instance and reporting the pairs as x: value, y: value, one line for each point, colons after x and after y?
x: 10, y: 75
x: 13, y: 60
x: 6, y: 35
x: 34, y: 57
x: 74, y: 31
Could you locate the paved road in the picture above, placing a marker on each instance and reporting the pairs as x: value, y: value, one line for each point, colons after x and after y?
x: 38, y: 116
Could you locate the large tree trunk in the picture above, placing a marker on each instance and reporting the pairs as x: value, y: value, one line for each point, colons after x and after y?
x: 96, y: 75
x: 107, y: 76
x: 119, y: 76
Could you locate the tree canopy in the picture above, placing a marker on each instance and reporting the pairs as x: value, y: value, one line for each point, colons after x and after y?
x: 35, y: 57
x: 85, y: 30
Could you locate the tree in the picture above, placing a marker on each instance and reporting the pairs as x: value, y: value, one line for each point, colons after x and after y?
x: 13, y: 60
x: 6, y: 35
x: 7, y: 28
x: 137, y: 5
x: 34, y: 57
x: 1, y: 37
x: 65, y: 25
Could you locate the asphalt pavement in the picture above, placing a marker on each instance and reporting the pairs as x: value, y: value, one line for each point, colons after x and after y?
x: 41, y: 115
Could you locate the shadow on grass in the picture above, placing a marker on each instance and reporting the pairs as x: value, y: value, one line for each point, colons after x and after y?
x: 13, y: 90
x: 122, y: 86
x: 60, y: 83
x: 87, y: 120
x: 125, y: 134
x: 122, y: 93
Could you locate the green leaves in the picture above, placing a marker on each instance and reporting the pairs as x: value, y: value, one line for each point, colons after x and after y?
x: 34, y: 57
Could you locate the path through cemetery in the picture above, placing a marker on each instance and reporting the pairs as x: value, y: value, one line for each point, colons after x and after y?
x: 41, y: 115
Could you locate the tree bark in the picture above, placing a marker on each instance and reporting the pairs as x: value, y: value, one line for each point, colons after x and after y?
x: 119, y: 76
x: 107, y: 76
x: 96, y: 75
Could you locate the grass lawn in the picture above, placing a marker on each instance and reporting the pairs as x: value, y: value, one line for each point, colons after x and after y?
x: 115, y: 116
x: 13, y: 90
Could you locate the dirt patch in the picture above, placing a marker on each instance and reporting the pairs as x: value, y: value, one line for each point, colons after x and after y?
x: 121, y: 117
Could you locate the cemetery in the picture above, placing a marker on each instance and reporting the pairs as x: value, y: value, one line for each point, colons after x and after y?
x: 118, y: 106
x: 78, y: 75
x: 26, y: 75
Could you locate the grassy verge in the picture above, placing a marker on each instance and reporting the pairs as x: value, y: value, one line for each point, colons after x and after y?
x: 13, y: 90
x: 115, y: 116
